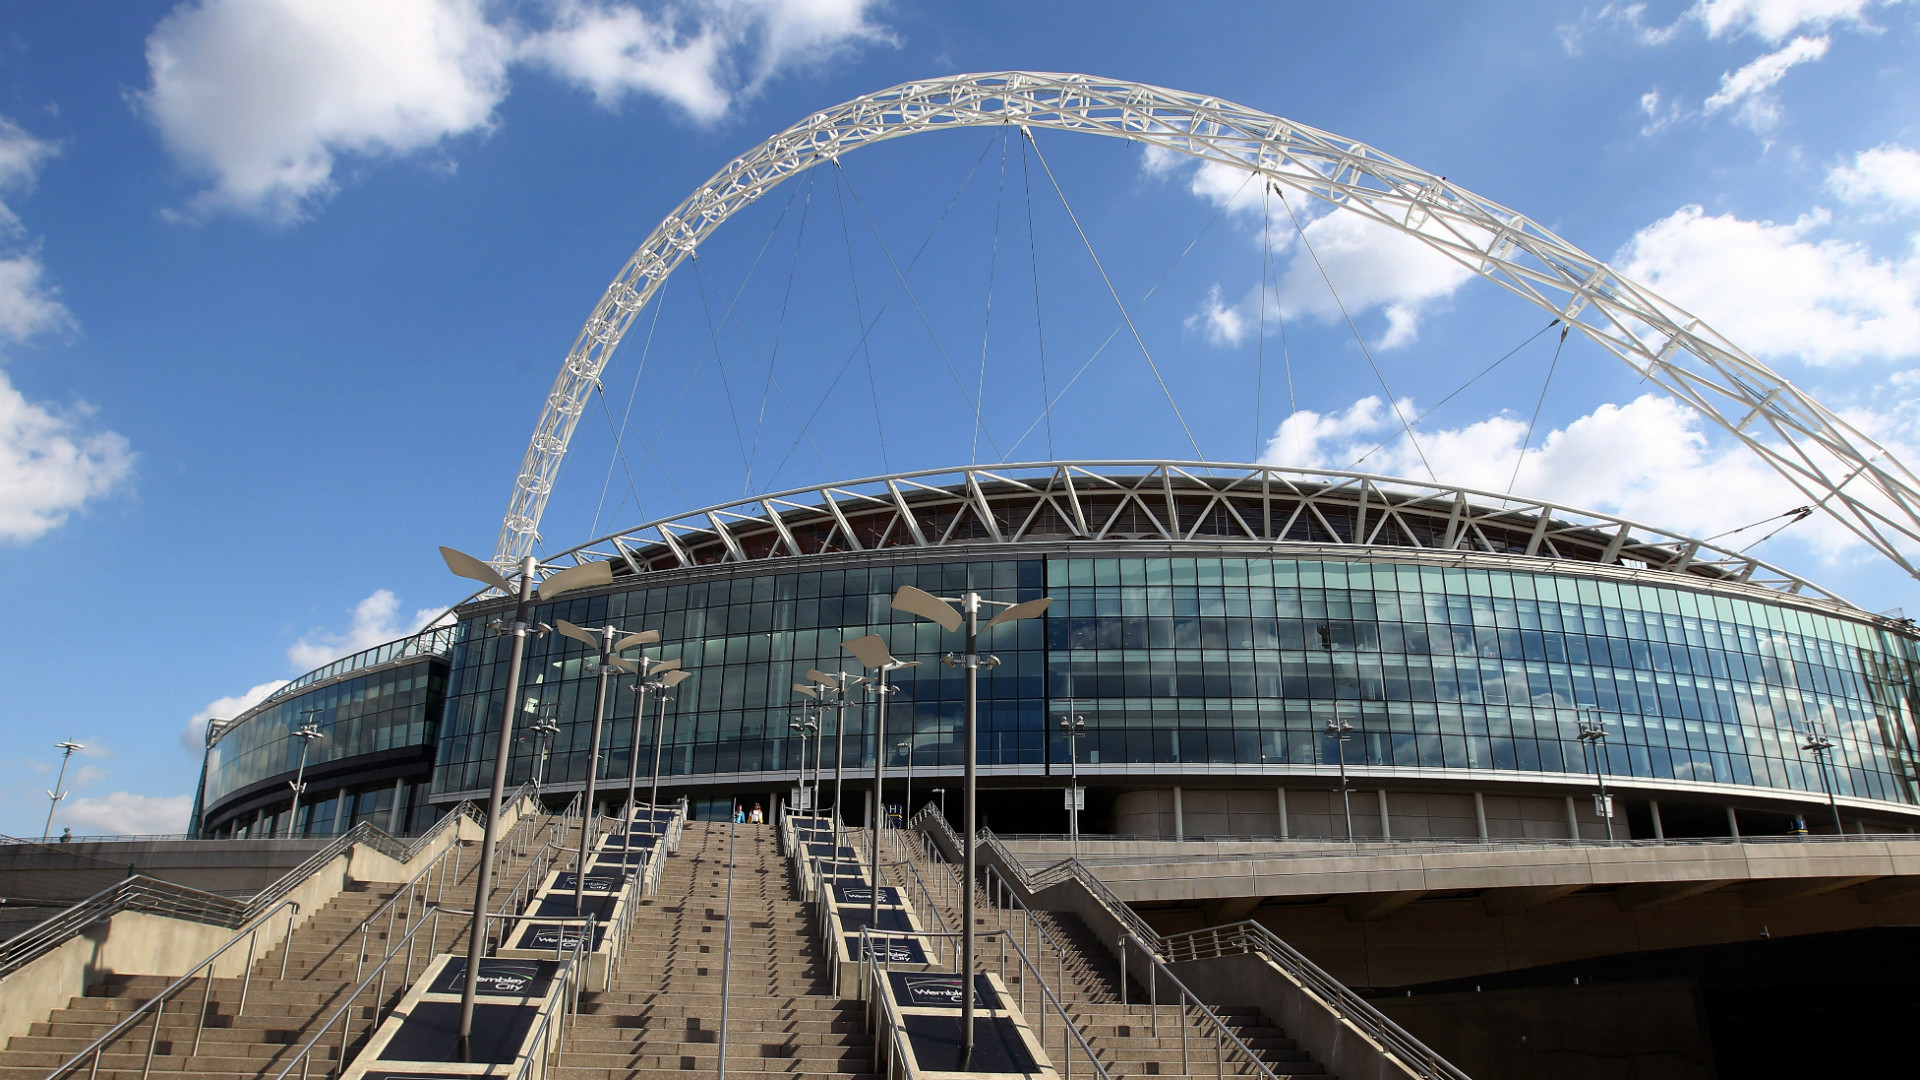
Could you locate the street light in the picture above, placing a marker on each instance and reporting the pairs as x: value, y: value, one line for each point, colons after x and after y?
x: 819, y: 709
x: 836, y: 683
x: 306, y: 733
x: 940, y: 610
x: 582, y: 576
x: 942, y: 792
x: 544, y: 729
x: 56, y: 794
x: 1822, y: 748
x: 1340, y: 729
x: 1074, y: 727
x: 1593, y: 733
x: 672, y: 676
x: 905, y: 746
x: 605, y: 647
x: 872, y: 652
x: 804, y: 724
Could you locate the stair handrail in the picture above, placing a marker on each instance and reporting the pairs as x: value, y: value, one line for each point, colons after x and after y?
x: 1248, y: 936
x: 157, y: 1005
x: 140, y: 892
x: 303, y: 1056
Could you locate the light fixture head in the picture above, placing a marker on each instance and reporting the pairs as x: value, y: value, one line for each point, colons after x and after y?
x: 928, y: 606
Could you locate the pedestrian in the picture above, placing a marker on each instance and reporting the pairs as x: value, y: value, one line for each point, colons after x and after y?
x: 757, y: 817
x: 739, y: 814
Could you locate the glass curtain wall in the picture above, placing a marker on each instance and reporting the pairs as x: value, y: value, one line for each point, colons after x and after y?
x: 1235, y: 661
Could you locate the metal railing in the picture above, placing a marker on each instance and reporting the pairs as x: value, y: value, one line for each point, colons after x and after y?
x: 156, y: 1007
x: 1251, y: 937
x: 1321, y: 846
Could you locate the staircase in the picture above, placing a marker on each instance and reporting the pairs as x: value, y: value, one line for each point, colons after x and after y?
x: 1123, y: 1037
x: 661, y: 1018
x: 281, y: 1013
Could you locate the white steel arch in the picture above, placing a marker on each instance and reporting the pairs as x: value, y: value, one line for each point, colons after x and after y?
x: 1838, y: 467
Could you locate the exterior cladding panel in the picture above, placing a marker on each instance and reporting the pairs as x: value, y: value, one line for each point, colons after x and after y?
x: 1224, y: 661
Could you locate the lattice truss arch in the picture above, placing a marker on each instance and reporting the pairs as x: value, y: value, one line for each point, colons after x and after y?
x: 1835, y: 465
x: 1164, y: 503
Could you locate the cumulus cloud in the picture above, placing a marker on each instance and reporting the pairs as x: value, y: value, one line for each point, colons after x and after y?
x: 1749, y: 90
x: 376, y: 621
x: 266, y: 98
x: 1370, y: 264
x: 1773, y: 20
x: 125, y: 814
x: 1651, y: 459
x: 1888, y: 174
x: 50, y: 465
x: 21, y: 155
x: 1780, y: 290
x: 194, y: 737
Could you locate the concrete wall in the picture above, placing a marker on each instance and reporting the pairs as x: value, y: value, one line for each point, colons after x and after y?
x: 1332, y: 1039
x: 1645, y: 1030
x: 1318, y: 813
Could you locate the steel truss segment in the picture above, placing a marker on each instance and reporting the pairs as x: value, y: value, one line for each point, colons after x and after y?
x: 1169, y: 502
x: 1836, y: 465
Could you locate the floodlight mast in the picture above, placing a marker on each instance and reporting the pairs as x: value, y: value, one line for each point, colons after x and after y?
x: 605, y: 646
x: 57, y: 794
x: 940, y: 610
x: 872, y: 652
x: 581, y: 576
x: 306, y: 733
x: 1594, y: 733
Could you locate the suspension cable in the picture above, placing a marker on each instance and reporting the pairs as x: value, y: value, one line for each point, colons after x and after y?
x: 620, y: 435
x: 986, y: 323
x: 1794, y: 517
x: 779, y: 332
x: 860, y: 322
x: 1461, y: 389
x: 1368, y: 353
x: 1111, y: 291
x: 1548, y: 381
x: 1047, y: 413
x: 899, y: 285
x: 1039, y: 326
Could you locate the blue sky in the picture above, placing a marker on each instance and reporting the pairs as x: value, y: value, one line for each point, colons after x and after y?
x: 283, y: 284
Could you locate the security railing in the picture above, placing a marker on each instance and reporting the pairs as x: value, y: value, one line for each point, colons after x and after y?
x: 1251, y: 937
x: 156, y: 1007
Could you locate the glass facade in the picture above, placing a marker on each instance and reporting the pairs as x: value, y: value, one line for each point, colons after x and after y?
x: 1223, y: 661
x: 383, y: 710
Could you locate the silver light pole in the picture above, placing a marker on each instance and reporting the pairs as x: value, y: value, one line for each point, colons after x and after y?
x: 837, y: 683
x: 1340, y: 730
x: 56, y: 794
x: 1822, y: 749
x: 803, y: 724
x: 306, y: 733
x: 605, y: 647
x: 872, y: 652
x: 544, y: 729
x: 905, y: 746
x: 940, y: 610
x: 672, y: 677
x: 584, y: 575
x: 1074, y: 726
x: 1593, y: 734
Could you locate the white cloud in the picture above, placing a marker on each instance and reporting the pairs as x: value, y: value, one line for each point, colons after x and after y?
x: 263, y: 95
x: 700, y: 58
x: 1749, y: 90
x: 1651, y: 460
x: 1887, y: 173
x: 1661, y: 114
x: 49, y: 466
x: 194, y: 738
x: 265, y: 98
x: 124, y: 814
x: 1778, y: 291
x: 374, y: 623
x: 28, y: 305
x: 21, y: 155
x: 1775, y: 19
x: 1370, y: 264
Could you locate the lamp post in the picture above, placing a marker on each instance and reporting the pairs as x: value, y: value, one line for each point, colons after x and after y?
x: 605, y: 648
x: 940, y: 610
x: 306, y: 733
x: 905, y: 746
x: 1593, y: 733
x: 56, y: 794
x: 804, y: 724
x: 584, y: 575
x: 1822, y: 748
x: 836, y: 684
x: 1074, y: 727
x: 1340, y: 730
x: 942, y: 792
x: 544, y: 729
x: 674, y: 676
x: 872, y: 652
